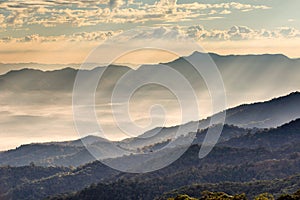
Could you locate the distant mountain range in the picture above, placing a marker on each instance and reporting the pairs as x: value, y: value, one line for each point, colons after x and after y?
x: 245, y: 77
x: 239, y: 72
x: 249, y: 78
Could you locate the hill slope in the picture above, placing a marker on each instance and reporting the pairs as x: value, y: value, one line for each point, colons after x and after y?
x: 223, y: 164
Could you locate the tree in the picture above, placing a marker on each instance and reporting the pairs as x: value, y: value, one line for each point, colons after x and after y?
x: 265, y: 196
x: 31, y: 164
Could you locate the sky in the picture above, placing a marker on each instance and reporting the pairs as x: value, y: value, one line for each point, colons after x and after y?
x: 61, y: 31
x: 54, y: 34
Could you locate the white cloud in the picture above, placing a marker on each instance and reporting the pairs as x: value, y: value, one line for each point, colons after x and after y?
x: 166, y: 3
x: 289, y: 32
x: 80, y: 13
x: 241, y: 33
x: 225, y: 12
x: 232, y: 5
x: 76, y: 37
x: 196, y: 32
x: 164, y: 33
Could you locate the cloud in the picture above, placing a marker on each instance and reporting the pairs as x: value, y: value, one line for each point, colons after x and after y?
x: 166, y: 3
x: 231, y: 5
x: 75, y: 37
x: 196, y: 32
x: 241, y: 33
x: 2, y: 24
x: 79, y: 13
x: 164, y: 33
x: 289, y: 32
x: 225, y: 12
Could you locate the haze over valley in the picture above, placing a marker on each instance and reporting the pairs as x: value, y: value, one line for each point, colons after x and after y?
x: 37, y: 105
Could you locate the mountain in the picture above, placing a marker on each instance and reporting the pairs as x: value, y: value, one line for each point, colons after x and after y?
x: 266, y: 114
x: 213, y: 173
x: 223, y: 164
x: 271, y: 139
x: 34, y: 79
x: 74, y: 153
x: 38, y: 185
x: 238, y: 73
x: 233, y: 137
x: 6, y: 67
x: 57, y: 80
x: 69, y: 153
x: 276, y: 187
x: 13, y: 176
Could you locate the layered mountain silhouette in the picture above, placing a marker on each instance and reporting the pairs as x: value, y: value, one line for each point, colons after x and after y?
x: 244, y: 77
x: 241, y: 69
x: 226, y: 163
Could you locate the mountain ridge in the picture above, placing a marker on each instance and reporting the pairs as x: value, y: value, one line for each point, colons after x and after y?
x: 211, y: 54
x: 223, y: 164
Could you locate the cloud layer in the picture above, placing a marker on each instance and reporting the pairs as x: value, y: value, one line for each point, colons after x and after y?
x: 197, y: 32
x: 89, y: 12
